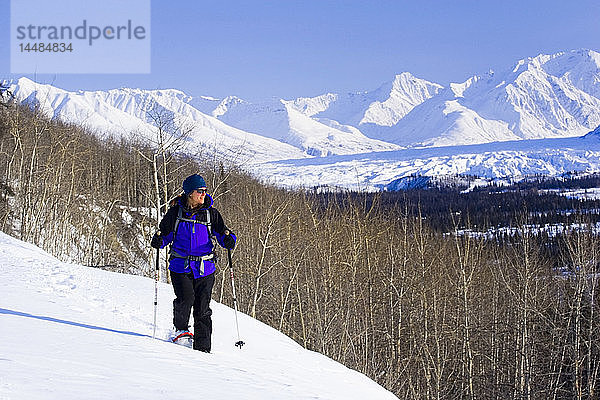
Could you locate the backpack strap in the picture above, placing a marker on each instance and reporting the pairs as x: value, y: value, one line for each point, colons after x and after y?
x: 208, y: 225
x: 181, y: 218
x: 201, y: 259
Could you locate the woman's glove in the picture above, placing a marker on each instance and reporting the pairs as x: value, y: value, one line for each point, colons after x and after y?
x: 157, y: 241
x: 228, y: 241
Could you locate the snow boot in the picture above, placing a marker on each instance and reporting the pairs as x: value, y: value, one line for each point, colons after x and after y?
x: 182, y: 337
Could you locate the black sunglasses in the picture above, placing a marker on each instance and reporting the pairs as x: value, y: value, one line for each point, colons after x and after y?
x: 200, y: 191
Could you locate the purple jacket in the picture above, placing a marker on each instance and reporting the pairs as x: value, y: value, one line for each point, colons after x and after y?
x: 192, y: 240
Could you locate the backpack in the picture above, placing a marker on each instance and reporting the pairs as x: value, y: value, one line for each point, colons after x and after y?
x: 209, y: 257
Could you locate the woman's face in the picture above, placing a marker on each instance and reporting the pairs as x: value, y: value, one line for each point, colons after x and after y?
x: 197, y: 196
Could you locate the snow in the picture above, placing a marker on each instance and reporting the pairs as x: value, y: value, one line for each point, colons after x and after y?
x: 500, y: 160
x: 406, y: 92
x: 384, y: 106
x: 579, y: 194
x: 279, y: 120
x: 73, y: 332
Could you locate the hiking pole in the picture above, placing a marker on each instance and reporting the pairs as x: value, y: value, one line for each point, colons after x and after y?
x: 239, y: 343
x: 156, y: 277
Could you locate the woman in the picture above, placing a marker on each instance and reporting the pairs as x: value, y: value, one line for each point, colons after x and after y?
x: 190, y: 226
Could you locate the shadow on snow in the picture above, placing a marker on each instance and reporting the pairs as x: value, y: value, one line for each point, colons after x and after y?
x: 62, y: 321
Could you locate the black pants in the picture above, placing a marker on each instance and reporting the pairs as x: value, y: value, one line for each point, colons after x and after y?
x: 190, y: 292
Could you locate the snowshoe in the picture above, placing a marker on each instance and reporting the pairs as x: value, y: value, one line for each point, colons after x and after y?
x: 183, y: 338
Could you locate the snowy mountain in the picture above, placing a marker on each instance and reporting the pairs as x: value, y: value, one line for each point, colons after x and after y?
x: 253, y: 132
x: 279, y: 120
x: 544, y: 97
x: 129, y: 112
x: 331, y: 123
x: 548, y: 96
x: 384, y: 106
x: 74, y: 332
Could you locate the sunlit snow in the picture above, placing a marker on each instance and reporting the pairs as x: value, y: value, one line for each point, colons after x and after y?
x: 74, y: 332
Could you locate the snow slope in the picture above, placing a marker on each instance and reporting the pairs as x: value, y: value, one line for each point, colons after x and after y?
x: 73, y: 332
x: 383, y: 106
x: 279, y: 120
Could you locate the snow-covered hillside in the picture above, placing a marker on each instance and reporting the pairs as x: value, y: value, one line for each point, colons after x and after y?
x: 279, y: 120
x: 73, y: 332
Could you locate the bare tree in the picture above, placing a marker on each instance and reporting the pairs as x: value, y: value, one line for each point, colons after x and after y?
x: 169, y: 137
x: 6, y: 95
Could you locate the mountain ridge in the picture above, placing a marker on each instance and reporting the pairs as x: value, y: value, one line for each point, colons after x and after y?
x: 541, y: 97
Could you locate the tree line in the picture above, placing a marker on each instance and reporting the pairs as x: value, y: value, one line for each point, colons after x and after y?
x: 487, y: 207
x: 425, y: 312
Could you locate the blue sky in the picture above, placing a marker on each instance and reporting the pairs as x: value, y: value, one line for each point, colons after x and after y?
x: 288, y: 49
